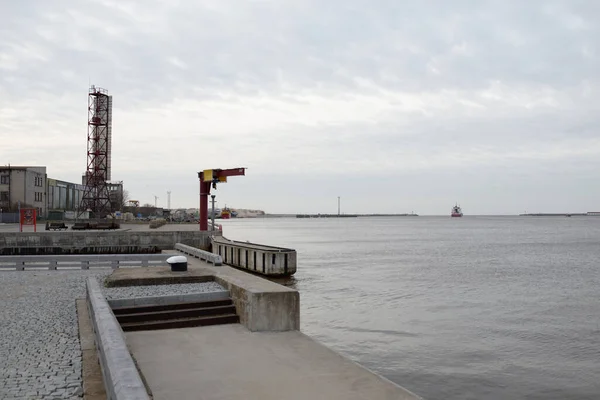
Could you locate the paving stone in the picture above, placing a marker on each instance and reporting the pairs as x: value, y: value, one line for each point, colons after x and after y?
x: 40, y: 353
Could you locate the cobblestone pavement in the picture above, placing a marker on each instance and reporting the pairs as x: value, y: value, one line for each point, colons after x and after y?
x: 40, y: 353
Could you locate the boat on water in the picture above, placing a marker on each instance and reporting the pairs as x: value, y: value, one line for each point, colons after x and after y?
x: 225, y: 213
x: 456, y: 211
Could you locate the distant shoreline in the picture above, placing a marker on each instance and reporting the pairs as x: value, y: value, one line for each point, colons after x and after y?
x: 352, y: 215
x: 588, y: 214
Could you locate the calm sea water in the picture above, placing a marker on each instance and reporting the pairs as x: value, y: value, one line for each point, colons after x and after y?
x: 471, y: 308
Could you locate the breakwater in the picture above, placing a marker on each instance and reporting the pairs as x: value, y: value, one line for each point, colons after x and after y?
x: 326, y: 215
x: 554, y: 215
x: 353, y: 215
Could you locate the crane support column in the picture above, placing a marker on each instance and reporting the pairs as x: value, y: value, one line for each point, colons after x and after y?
x: 209, y: 178
x: 204, y: 192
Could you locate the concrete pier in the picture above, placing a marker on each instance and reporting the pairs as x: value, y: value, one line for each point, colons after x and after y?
x: 265, y: 356
x: 230, y: 362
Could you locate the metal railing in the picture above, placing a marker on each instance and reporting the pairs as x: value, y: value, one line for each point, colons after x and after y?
x: 53, y: 262
x: 9, y: 217
x: 207, y: 256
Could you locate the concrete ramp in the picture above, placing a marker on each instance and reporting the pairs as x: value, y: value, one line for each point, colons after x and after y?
x: 230, y: 362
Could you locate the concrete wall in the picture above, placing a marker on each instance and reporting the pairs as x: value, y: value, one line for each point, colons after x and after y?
x: 262, y: 305
x: 95, y: 242
x: 121, y: 378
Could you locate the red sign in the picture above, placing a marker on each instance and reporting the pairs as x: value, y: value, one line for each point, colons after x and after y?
x: 28, y: 217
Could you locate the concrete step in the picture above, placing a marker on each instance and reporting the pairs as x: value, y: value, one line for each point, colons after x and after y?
x: 166, y: 307
x: 175, y: 314
x: 181, y: 323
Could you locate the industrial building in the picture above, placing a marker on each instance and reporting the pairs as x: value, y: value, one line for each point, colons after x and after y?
x: 63, y: 198
x: 30, y: 187
x: 23, y: 187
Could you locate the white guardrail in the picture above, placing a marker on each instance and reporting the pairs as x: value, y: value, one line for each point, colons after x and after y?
x: 207, y: 256
x: 84, y: 261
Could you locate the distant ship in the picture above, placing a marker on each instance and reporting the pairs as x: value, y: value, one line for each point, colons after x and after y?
x: 226, y: 213
x: 456, y: 211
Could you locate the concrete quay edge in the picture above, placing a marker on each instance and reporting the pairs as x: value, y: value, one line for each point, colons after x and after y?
x: 262, y: 305
x: 121, y: 378
x: 91, y: 373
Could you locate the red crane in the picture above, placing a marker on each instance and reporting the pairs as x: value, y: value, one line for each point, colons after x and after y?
x: 208, y: 178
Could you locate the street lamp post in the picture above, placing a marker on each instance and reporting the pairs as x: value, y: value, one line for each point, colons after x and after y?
x: 212, y: 196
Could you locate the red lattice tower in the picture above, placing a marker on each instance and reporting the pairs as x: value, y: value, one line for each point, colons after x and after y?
x: 96, y: 197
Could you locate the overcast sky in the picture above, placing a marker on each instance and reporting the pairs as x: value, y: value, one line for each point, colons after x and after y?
x: 395, y: 106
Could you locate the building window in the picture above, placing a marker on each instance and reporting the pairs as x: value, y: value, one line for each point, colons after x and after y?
x: 4, y: 196
x: 39, y: 196
x: 39, y: 181
x: 4, y: 179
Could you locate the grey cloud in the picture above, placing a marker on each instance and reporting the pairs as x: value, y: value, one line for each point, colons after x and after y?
x: 431, y: 89
x: 308, y: 44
